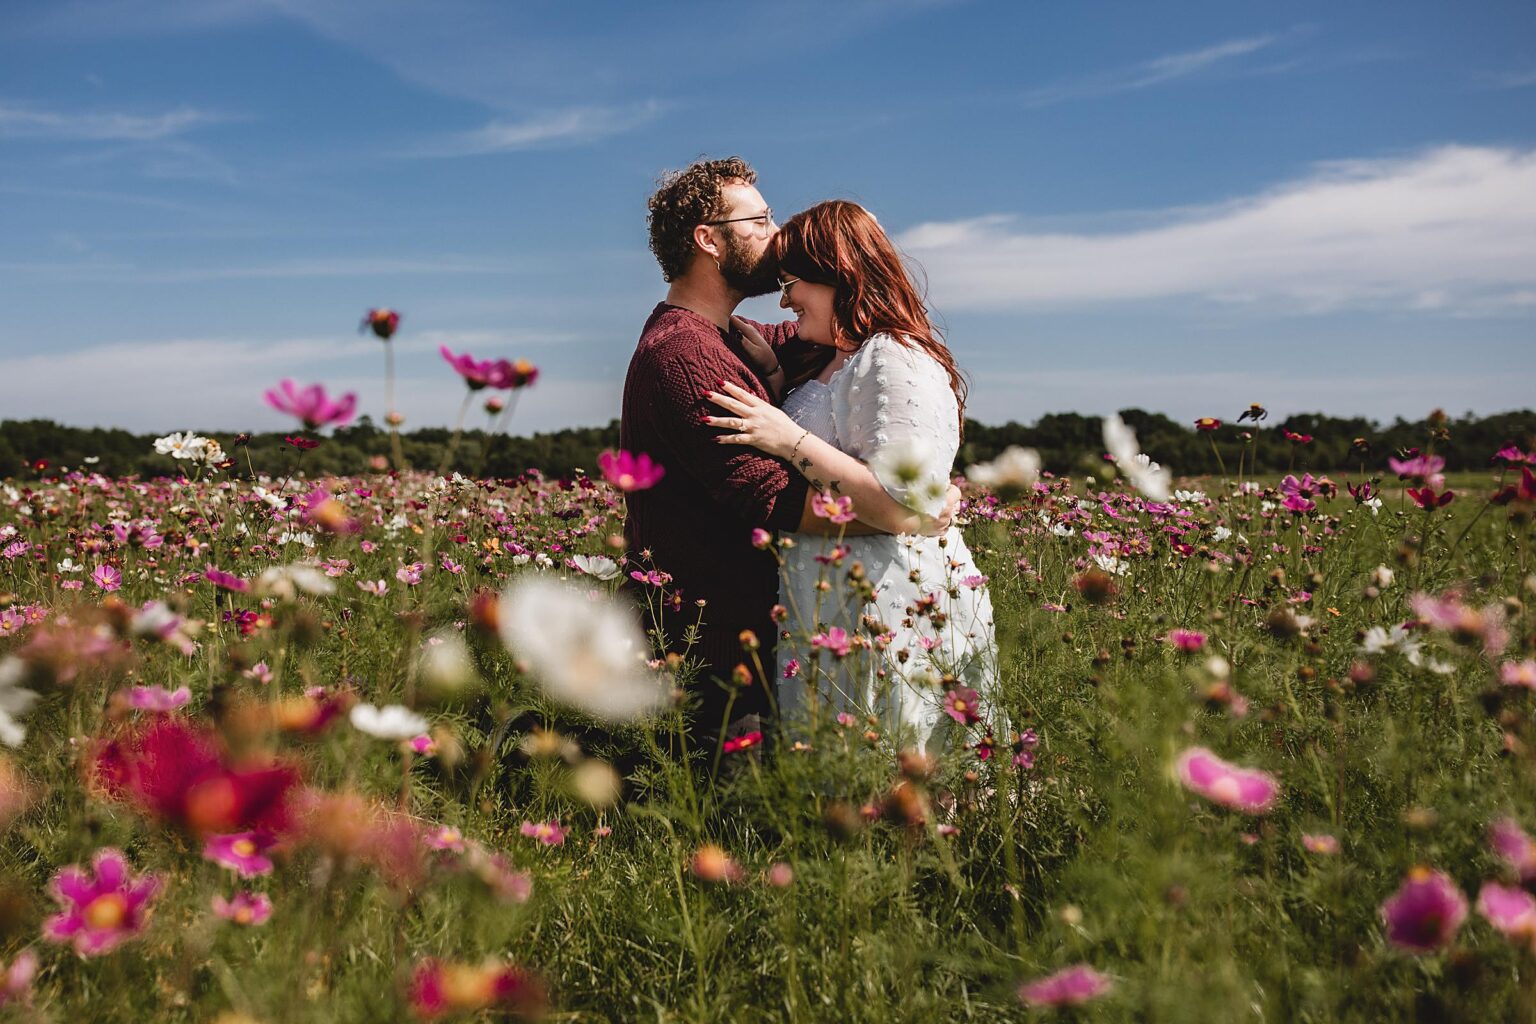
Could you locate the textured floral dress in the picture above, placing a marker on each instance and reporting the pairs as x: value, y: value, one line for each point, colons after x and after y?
x: 911, y: 610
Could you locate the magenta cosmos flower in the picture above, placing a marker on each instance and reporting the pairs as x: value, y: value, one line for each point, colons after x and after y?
x: 107, y: 578
x: 312, y: 405
x: 1425, y: 912
x: 158, y: 698
x: 440, y: 989
x: 242, y: 852
x: 1514, y: 847
x: 1510, y: 909
x: 836, y: 639
x: 547, y: 832
x: 1071, y: 986
x: 963, y: 704
x: 382, y: 322
x: 480, y: 373
x: 630, y: 472
x: 102, y: 908
x: 1240, y: 789
x: 1187, y: 640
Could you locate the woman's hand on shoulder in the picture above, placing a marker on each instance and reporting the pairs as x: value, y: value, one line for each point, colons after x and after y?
x: 756, y: 422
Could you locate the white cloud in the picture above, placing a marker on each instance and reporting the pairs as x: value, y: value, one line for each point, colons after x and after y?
x: 569, y: 127
x: 21, y: 121
x: 1148, y: 73
x: 1452, y: 229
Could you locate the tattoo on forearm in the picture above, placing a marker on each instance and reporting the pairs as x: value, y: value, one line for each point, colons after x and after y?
x: 836, y: 487
x: 816, y: 484
x: 804, y: 466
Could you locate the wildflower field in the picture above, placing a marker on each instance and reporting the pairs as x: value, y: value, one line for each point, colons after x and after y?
x: 392, y: 747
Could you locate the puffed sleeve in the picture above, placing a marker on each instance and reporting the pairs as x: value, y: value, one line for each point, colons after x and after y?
x: 895, y: 411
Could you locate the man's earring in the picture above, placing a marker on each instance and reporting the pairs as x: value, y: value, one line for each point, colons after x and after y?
x: 717, y: 263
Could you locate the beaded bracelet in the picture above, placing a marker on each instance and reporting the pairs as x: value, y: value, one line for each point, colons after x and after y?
x: 796, y: 448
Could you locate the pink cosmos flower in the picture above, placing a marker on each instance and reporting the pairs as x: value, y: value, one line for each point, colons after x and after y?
x: 241, y: 852
x: 963, y: 705
x: 1510, y: 909
x: 1519, y: 673
x: 1510, y: 842
x: 226, y: 580
x: 247, y: 908
x: 630, y: 472
x: 382, y: 322
x: 743, y: 742
x: 16, y: 979
x: 107, y: 578
x: 158, y: 698
x: 102, y: 908
x: 479, y: 373
x: 836, y: 640
x: 826, y: 506
x: 1188, y: 641
x: 423, y: 745
x: 1422, y: 469
x: 1298, y: 493
x: 761, y: 538
x: 1425, y: 913
x: 312, y: 405
x: 1240, y: 789
x: 1465, y: 624
x: 445, y: 837
x: 410, y: 575
x: 1428, y: 499
x: 439, y: 989
x: 1072, y: 986
x: 1320, y: 843
x: 547, y: 832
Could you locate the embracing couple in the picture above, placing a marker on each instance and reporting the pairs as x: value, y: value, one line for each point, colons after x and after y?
x: 771, y: 436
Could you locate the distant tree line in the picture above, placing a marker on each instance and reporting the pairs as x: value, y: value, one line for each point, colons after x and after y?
x: 1067, y: 443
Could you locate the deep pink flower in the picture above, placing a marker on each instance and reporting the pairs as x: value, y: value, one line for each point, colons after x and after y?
x: 1207, y: 424
x: 158, y: 698
x: 1510, y: 909
x: 439, y: 988
x: 382, y: 322
x: 445, y: 837
x: 479, y: 373
x: 963, y: 704
x: 1427, y: 499
x: 1425, y: 912
x: 311, y: 405
x: 836, y: 640
x: 761, y: 538
x: 102, y: 908
x: 225, y: 580
x: 16, y: 979
x: 1510, y: 842
x: 1188, y: 641
x: 242, y: 852
x: 743, y: 742
x: 107, y: 578
x: 630, y: 472
x: 519, y: 373
x: 1240, y: 789
x: 1071, y: 986
x: 1421, y: 469
x: 1295, y: 438
x: 247, y: 908
x: 547, y: 832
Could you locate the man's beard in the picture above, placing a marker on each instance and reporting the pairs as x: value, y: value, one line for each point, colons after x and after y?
x: 743, y: 275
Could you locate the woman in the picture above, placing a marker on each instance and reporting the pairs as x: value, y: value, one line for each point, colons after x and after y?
x: 881, y: 422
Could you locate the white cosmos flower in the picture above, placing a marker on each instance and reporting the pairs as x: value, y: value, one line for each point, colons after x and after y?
x: 1145, y: 475
x: 1220, y: 534
x: 597, y: 566
x: 395, y: 722
x: 908, y: 471
x: 15, y: 700
x: 69, y: 565
x: 1111, y: 564
x: 186, y: 445
x: 582, y: 647
x: 444, y: 663
x: 285, y: 581
x: 1015, y: 469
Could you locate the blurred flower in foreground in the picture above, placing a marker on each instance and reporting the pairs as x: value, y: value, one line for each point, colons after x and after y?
x: 246, y: 908
x: 1510, y: 909
x: 630, y: 472
x: 1240, y: 789
x: 438, y: 989
x: 548, y: 833
x: 382, y: 322
x: 712, y: 864
x: 1320, y: 843
x: 1014, y: 471
x: 15, y: 700
x: 1425, y: 912
x: 583, y: 648
x: 1510, y: 842
x: 241, y: 852
x: 395, y: 722
x: 311, y: 405
x: 597, y: 566
x: 159, y: 698
x: 16, y: 978
x: 1071, y: 986
x: 1145, y: 475
x: 103, y: 907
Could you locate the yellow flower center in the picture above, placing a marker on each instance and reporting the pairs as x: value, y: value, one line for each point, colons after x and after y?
x: 1226, y: 789
x: 106, y: 911
x: 243, y: 847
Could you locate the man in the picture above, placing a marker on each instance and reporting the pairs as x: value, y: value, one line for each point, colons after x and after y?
x: 710, y: 230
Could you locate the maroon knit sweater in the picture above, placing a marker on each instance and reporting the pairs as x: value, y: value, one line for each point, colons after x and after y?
x: 697, y: 522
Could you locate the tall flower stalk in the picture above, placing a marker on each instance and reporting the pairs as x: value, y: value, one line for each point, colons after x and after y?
x: 384, y: 323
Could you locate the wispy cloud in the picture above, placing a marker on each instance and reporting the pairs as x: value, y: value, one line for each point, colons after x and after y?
x: 128, y: 273
x: 1452, y: 229
x: 1513, y: 79
x: 1166, y: 68
x: 573, y: 126
x: 25, y: 121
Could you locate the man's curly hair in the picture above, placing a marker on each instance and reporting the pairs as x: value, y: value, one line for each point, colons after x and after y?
x: 685, y: 199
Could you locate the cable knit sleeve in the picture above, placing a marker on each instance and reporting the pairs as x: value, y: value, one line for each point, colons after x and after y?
x: 895, y: 411
x: 759, y: 489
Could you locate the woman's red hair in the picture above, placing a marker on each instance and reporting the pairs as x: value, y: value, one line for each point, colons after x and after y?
x: 840, y: 244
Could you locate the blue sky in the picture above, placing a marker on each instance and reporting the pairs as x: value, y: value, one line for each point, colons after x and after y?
x: 1184, y: 207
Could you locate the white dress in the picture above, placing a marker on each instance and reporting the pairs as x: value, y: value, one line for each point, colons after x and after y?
x: 891, y: 407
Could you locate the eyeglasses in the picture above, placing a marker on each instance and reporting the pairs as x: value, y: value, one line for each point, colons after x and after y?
x: 784, y: 287
x: 762, y: 220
